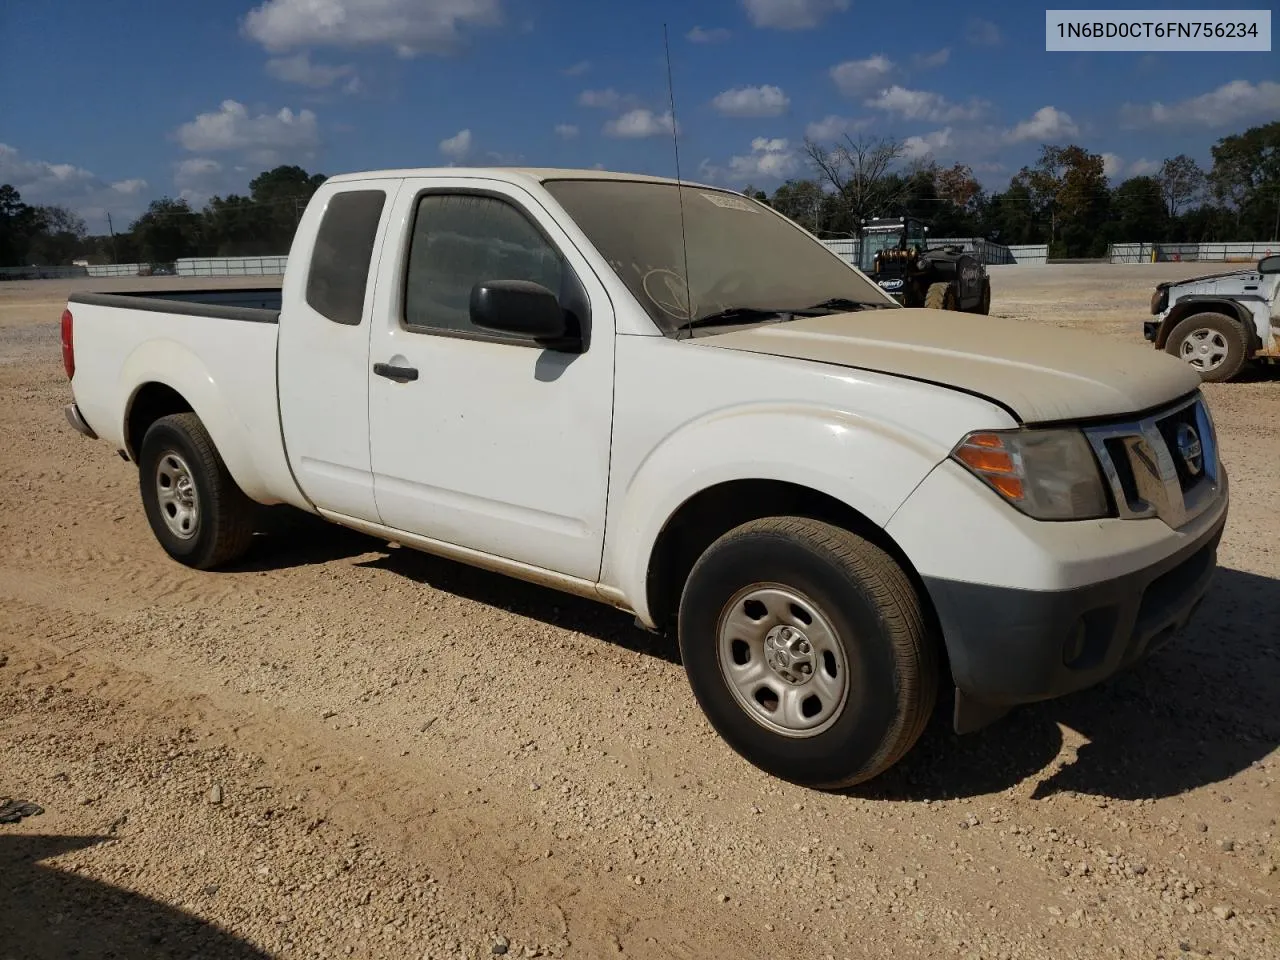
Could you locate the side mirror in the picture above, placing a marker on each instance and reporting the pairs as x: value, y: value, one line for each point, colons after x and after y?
x: 1269, y: 264
x: 522, y: 308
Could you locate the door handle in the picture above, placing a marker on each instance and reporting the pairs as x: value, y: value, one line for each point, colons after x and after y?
x: 398, y: 374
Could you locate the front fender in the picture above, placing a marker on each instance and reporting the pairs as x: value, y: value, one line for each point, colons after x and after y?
x: 175, y: 366
x: 869, y: 465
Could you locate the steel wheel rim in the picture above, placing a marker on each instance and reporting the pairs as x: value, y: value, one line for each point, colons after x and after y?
x: 1205, y: 349
x: 782, y: 660
x: 177, y: 496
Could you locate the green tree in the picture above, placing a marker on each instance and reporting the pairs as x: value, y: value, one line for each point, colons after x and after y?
x: 1246, y: 178
x: 59, y: 237
x: 19, y: 225
x: 801, y: 201
x: 1068, y: 187
x: 1139, y: 210
x: 167, y: 231
x: 283, y: 193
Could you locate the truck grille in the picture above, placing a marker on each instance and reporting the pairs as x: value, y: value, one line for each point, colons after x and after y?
x: 1165, y: 465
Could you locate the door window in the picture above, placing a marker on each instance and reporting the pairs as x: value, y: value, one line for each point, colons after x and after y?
x: 460, y: 240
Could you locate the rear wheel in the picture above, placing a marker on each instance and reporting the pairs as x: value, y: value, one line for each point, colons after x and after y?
x: 1213, y: 343
x: 941, y: 296
x: 195, y: 509
x: 983, y: 305
x: 807, y: 648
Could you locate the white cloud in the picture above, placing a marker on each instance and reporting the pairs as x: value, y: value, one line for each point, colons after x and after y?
x: 1112, y: 165
x: 300, y: 70
x: 925, y: 105
x: 854, y: 77
x: 791, y: 14
x: 765, y: 101
x: 606, y: 99
x: 916, y: 148
x: 1229, y: 104
x: 457, y: 147
x: 1045, y: 124
x: 713, y: 35
x: 635, y: 124
x: 935, y: 59
x: 566, y: 131
x: 42, y: 183
x: 831, y: 127
x: 1142, y: 167
x: 265, y: 138
x: 578, y: 69
x: 199, y: 178
x: 769, y: 159
x: 983, y: 33
x: 130, y: 187
x: 408, y: 26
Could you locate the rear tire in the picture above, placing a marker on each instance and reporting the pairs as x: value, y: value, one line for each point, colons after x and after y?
x: 1216, y: 345
x: 196, y: 511
x: 941, y: 296
x: 983, y: 306
x: 807, y: 649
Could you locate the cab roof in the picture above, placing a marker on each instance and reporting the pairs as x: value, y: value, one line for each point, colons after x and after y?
x: 535, y: 174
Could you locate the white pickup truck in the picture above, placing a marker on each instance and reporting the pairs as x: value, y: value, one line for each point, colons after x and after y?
x: 670, y: 398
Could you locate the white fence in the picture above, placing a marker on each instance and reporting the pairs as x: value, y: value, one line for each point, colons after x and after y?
x: 231, y: 266
x: 1191, y: 252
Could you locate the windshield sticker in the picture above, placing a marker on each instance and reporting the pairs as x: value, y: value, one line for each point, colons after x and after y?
x: 729, y: 202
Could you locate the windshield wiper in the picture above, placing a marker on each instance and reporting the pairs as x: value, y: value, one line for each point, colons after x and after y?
x: 734, y: 315
x: 841, y: 304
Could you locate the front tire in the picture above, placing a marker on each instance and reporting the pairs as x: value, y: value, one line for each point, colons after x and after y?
x: 196, y: 511
x: 807, y: 648
x: 941, y: 296
x: 1214, y: 344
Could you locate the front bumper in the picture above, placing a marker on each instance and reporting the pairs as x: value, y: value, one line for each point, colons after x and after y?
x: 1010, y: 646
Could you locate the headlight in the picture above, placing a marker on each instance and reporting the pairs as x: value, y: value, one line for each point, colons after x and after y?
x: 1047, y: 474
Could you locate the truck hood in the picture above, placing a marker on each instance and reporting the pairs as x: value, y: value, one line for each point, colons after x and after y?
x: 1230, y: 274
x: 1040, y: 374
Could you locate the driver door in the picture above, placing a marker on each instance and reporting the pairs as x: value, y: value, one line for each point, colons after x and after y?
x: 494, y: 443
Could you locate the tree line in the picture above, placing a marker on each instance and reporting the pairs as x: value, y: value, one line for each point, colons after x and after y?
x: 260, y: 224
x: 1064, y: 200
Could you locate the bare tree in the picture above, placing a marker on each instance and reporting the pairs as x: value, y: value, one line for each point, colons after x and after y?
x: 858, y: 171
x: 1182, y: 182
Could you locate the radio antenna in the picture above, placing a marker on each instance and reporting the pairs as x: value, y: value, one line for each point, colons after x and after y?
x: 675, y: 142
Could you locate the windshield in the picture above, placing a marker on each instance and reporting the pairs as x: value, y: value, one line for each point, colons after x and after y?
x: 873, y: 243
x: 741, y: 255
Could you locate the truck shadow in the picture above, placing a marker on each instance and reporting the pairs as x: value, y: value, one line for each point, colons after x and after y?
x: 49, y: 914
x: 292, y: 538
x: 1197, y: 712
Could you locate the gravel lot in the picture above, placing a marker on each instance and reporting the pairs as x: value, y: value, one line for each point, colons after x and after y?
x: 342, y: 749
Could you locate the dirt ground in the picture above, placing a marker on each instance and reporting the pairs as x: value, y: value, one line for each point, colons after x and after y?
x: 340, y: 748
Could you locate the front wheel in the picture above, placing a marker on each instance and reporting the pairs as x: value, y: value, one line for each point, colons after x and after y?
x: 196, y: 511
x: 1213, y: 343
x: 941, y: 296
x: 807, y: 648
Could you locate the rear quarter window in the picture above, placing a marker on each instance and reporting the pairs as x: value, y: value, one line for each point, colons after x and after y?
x: 340, y: 261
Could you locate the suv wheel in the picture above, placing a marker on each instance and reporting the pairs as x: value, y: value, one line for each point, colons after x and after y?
x: 1215, y: 344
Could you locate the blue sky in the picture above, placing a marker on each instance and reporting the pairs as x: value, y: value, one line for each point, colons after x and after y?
x: 107, y: 106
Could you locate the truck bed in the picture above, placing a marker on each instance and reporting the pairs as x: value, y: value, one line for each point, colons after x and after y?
x: 255, y: 304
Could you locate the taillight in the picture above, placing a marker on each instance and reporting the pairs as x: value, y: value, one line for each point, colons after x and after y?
x: 68, y: 350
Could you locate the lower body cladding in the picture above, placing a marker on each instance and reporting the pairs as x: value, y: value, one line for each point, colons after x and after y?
x: 1014, y: 643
